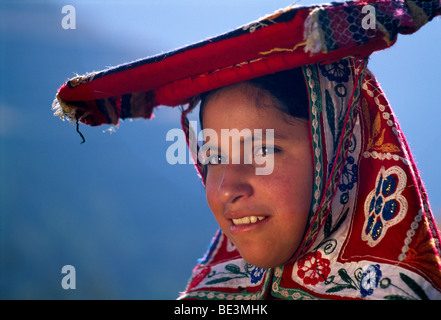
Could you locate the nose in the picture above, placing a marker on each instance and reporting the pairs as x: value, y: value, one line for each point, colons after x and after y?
x: 235, y: 183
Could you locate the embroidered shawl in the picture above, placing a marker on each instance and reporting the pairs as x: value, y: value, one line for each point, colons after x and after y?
x: 371, y: 233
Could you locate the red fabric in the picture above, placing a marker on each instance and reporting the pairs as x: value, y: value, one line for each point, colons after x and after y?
x: 371, y: 233
x: 178, y: 77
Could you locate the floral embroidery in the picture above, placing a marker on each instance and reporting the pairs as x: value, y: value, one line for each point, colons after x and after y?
x: 376, y: 134
x: 349, y: 175
x: 370, y: 280
x: 384, y: 206
x: 313, y: 268
x: 348, y: 179
x: 256, y: 274
x: 336, y: 71
x: 366, y: 280
x: 234, y: 272
x: 418, y: 292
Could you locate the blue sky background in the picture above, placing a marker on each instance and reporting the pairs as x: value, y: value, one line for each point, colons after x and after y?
x: 132, y: 225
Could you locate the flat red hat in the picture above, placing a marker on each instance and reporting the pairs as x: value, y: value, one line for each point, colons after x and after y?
x: 289, y: 38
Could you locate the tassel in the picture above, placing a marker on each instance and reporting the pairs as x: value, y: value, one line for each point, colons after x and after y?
x: 313, y: 35
x: 79, y: 132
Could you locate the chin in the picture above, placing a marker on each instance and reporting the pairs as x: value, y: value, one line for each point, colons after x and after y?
x: 263, y: 262
x: 266, y: 257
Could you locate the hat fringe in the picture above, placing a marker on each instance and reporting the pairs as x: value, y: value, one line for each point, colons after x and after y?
x: 63, y: 110
x: 66, y: 111
x: 313, y: 34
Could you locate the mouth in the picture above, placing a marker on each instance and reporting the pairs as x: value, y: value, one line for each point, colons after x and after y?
x: 247, y: 224
x: 247, y: 220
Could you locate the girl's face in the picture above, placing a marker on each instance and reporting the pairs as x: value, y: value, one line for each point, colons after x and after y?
x: 265, y: 216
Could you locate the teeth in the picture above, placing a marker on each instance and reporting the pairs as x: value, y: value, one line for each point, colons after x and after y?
x: 248, y: 220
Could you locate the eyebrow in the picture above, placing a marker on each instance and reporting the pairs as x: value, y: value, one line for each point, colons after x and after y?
x: 277, y: 136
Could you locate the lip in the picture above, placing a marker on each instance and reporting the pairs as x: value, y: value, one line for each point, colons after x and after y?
x: 239, y: 213
x: 243, y: 228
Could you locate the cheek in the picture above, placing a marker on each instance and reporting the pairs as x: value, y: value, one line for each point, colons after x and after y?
x: 211, y: 194
x: 294, y: 185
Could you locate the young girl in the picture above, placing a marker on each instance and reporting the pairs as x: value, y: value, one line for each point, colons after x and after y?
x: 343, y: 214
x: 266, y: 226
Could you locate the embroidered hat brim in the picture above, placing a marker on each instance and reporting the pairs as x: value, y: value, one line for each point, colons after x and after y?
x: 289, y: 38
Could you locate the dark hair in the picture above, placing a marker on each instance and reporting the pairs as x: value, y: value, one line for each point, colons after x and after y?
x: 288, y: 87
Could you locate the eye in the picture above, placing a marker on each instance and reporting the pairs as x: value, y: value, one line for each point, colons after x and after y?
x: 265, y: 150
x: 216, y: 159
x: 262, y: 151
